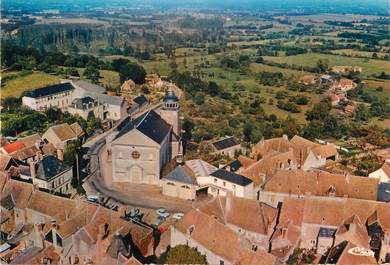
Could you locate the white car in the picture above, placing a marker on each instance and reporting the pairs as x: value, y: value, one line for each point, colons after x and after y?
x: 178, y: 216
x: 162, y: 212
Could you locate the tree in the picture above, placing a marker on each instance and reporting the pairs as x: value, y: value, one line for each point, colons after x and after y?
x: 319, y: 111
x: 362, y: 113
x: 132, y: 71
x: 199, y: 98
x: 213, y: 88
x: 322, y: 65
x: 182, y: 254
x: 92, y: 74
x: 93, y: 123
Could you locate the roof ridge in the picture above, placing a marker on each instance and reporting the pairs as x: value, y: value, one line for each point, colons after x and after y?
x: 143, y: 118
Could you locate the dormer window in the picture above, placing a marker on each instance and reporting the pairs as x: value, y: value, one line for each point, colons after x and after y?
x: 191, y: 229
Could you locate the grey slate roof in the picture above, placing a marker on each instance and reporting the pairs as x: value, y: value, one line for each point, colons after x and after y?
x: 234, y: 165
x: 150, y: 124
x: 384, y: 192
x: 83, y: 103
x: 89, y: 87
x: 140, y: 100
x: 49, y: 90
x: 7, y: 202
x: 108, y: 99
x: 49, y: 167
x: 231, y: 177
x: 225, y: 143
x: 179, y: 175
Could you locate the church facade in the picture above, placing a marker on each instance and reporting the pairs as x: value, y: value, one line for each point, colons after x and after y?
x: 140, y: 148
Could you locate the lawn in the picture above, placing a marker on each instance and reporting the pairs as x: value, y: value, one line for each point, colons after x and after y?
x: 256, y: 67
x: 310, y: 59
x: 15, y: 87
x: 350, y: 52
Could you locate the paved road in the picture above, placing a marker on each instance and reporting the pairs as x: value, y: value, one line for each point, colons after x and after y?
x: 145, y: 196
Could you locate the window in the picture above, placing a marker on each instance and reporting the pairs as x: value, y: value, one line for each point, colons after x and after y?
x: 224, y: 183
x: 234, y: 186
x: 215, y: 181
x: 171, y: 183
x: 135, y: 155
x: 221, y: 262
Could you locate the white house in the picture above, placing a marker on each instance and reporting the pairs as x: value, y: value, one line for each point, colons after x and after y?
x: 59, y: 96
x: 221, y: 181
x: 383, y: 174
x: 180, y: 183
x: 51, y: 174
x: 227, y: 146
x: 62, y: 96
x: 86, y: 105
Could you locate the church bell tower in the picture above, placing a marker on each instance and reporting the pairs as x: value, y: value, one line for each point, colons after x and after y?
x: 170, y: 111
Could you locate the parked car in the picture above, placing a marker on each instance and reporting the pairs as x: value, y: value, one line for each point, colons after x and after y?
x: 160, y: 219
x: 93, y: 198
x: 178, y: 216
x: 162, y: 212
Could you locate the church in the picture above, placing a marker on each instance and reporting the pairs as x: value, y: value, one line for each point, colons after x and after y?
x: 140, y: 148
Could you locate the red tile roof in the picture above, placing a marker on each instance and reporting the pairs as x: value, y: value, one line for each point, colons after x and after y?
x: 15, y: 146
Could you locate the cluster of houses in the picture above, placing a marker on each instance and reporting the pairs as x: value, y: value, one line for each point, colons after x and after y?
x: 40, y: 228
x: 258, y: 209
x: 338, y: 87
x: 39, y: 159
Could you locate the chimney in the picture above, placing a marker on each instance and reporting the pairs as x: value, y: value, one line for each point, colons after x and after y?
x: 284, y: 232
x: 285, y: 137
x: 228, y: 168
x: 228, y: 201
x: 32, y: 169
x: 60, y: 154
x: 39, y: 155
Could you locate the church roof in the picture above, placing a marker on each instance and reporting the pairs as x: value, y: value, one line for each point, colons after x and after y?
x: 150, y: 124
x: 179, y: 174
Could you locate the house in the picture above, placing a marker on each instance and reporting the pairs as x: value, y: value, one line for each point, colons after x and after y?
x: 383, y: 173
x: 343, y: 85
x: 127, y: 88
x: 383, y: 192
x: 221, y: 182
x: 9, y: 165
x: 71, y: 93
x: 59, y: 96
x: 50, y: 229
x: 327, y: 79
x: 115, y: 106
x: 217, y: 241
x: 154, y: 81
x: 180, y: 183
x: 12, y: 147
x: 346, y: 69
x: 299, y: 183
x: 228, y: 146
x: 86, y: 105
x: 308, y: 80
x: 62, y: 134
x: 139, y: 104
x: 250, y: 219
x: 51, y: 174
x: 306, y: 216
x: 336, y: 99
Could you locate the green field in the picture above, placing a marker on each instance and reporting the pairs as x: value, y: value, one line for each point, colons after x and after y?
x: 310, y: 59
x: 15, y: 87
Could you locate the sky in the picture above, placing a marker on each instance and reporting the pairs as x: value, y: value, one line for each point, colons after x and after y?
x: 318, y: 5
